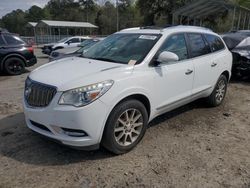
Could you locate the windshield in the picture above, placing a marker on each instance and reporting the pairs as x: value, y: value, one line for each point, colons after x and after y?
x: 86, y: 46
x: 86, y: 42
x: 63, y: 40
x: 123, y: 48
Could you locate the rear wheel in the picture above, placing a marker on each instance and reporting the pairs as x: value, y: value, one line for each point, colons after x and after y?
x: 219, y: 93
x: 14, y: 66
x: 125, y: 127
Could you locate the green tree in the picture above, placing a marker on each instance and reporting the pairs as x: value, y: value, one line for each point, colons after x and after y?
x: 34, y: 14
x: 64, y: 10
x: 15, y: 21
x: 106, y: 19
x: 88, y: 7
x: 245, y: 3
x: 128, y: 16
x: 158, y: 11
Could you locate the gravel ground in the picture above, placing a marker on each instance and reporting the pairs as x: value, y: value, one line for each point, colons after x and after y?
x: 193, y: 146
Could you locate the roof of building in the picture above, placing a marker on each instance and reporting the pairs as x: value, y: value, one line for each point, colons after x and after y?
x: 204, y: 8
x: 66, y: 24
x: 31, y: 24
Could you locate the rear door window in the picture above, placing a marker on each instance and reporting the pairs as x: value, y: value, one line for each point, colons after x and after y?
x: 13, y: 40
x: 215, y: 42
x: 74, y: 40
x: 197, y: 45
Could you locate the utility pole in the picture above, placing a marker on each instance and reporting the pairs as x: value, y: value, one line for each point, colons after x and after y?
x: 117, y: 15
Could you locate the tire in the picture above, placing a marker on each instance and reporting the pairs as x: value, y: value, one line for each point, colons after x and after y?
x: 219, y: 92
x: 14, y: 66
x: 117, y: 125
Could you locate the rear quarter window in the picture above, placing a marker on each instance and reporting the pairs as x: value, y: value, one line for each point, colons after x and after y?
x: 74, y: 40
x: 2, y: 43
x: 13, y: 40
x: 215, y: 43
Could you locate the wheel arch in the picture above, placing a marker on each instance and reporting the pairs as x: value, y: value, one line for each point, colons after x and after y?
x: 137, y: 96
x: 12, y: 55
x: 140, y: 97
x: 227, y: 74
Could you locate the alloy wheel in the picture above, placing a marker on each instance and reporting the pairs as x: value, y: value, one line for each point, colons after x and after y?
x: 128, y: 127
x: 220, y: 91
x: 15, y: 67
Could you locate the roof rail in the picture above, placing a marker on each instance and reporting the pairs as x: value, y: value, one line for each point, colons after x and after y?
x: 165, y: 27
x: 132, y: 28
x: 191, y: 26
x: 2, y: 30
x: 151, y: 27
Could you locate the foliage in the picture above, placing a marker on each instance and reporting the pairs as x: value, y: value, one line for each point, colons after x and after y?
x: 14, y: 21
x: 103, y: 13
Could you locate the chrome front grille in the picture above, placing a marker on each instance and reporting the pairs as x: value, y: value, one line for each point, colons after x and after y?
x: 37, y: 94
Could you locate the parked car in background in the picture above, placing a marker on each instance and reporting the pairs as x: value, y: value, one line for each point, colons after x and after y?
x: 15, y: 54
x: 73, y: 52
x: 64, y: 43
x: 109, y: 94
x: 238, y: 43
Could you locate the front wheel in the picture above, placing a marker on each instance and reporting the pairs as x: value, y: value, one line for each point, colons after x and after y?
x: 125, y: 127
x: 219, y: 92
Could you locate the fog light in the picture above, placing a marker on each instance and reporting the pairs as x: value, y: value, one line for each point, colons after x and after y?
x: 74, y: 132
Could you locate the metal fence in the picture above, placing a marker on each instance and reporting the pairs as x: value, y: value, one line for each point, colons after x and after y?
x: 43, y: 39
x: 28, y: 40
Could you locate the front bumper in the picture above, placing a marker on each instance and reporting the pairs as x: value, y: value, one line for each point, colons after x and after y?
x: 31, y: 62
x: 47, y: 50
x: 55, y: 118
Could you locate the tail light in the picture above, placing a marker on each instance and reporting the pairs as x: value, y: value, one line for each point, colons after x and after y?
x: 30, y: 49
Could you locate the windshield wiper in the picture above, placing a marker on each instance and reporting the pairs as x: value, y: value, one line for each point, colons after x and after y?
x: 82, y: 56
x: 105, y: 59
x: 102, y: 59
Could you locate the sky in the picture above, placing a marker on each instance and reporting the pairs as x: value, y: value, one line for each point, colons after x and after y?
x: 7, y: 6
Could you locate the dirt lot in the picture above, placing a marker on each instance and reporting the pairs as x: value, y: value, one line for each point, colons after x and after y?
x: 193, y: 146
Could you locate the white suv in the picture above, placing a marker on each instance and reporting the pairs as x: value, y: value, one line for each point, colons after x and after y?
x: 69, y: 42
x: 110, y: 94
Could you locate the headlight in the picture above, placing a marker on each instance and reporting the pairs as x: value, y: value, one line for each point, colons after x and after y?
x: 85, y: 95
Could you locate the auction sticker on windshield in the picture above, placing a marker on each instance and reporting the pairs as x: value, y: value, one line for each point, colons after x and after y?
x: 148, y: 37
x: 132, y: 62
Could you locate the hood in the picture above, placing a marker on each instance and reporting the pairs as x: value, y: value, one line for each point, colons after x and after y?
x: 61, y: 56
x: 238, y: 43
x: 67, y: 50
x: 232, y: 40
x: 73, y: 72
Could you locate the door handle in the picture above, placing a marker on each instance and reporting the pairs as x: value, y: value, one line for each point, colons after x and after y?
x: 213, y: 64
x: 189, y: 71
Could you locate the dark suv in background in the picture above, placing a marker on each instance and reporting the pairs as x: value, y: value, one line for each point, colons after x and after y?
x: 15, y: 54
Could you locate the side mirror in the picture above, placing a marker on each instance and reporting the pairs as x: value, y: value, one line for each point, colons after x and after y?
x: 68, y: 42
x: 167, y: 57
